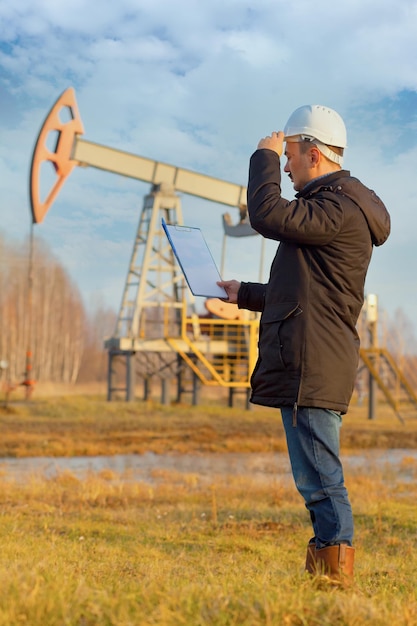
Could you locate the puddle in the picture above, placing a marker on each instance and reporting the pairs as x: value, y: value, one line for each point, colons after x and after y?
x: 143, y: 467
x: 259, y: 467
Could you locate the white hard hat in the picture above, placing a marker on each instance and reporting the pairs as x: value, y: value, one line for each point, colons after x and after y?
x: 320, y: 125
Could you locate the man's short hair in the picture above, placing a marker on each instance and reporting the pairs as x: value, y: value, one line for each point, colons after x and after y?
x: 305, y: 145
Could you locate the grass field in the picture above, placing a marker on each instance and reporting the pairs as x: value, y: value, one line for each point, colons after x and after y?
x: 105, y: 550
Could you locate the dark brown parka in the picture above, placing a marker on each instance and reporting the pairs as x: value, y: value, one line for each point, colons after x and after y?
x: 308, y: 343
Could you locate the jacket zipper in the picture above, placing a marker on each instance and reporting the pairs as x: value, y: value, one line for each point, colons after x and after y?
x: 294, y: 414
x: 297, y: 401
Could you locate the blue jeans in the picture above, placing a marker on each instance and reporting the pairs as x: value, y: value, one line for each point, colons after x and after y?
x: 313, y: 446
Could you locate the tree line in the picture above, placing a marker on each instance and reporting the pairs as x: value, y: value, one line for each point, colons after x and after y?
x: 42, y: 313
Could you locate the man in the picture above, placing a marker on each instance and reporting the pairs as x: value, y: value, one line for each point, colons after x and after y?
x: 308, y: 344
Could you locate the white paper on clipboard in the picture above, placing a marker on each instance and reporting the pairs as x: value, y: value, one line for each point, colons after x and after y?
x: 195, y: 259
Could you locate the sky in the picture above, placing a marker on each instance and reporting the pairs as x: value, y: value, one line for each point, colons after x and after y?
x: 196, y: 84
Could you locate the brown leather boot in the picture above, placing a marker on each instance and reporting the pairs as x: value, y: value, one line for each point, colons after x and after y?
x: 311, y: 566
x: 336, y: 562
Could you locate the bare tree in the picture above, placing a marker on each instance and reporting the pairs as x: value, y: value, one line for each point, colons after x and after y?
x: 101, y: 323
x: 401, y: 342
x: 51, y: 323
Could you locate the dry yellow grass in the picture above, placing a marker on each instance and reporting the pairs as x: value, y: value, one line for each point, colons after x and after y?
x: 108, y: 550
x: 76, y: 425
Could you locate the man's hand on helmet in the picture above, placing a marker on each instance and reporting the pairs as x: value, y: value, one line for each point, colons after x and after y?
x: 274, y: 141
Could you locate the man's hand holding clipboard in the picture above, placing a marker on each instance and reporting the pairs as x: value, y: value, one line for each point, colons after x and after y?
x: 232, y: 288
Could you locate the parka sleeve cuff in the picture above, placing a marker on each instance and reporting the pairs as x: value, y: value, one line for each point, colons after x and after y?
x: 251, y: 296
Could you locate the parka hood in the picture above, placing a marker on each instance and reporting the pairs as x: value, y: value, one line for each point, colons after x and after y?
x: 372, y: 207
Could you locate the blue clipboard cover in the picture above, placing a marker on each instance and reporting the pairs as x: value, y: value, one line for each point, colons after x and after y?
x: 195, y: 259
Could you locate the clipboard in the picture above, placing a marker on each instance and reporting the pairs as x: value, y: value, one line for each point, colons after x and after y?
x: 195, y: 259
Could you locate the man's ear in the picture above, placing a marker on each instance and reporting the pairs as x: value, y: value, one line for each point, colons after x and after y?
x: 315, y: 156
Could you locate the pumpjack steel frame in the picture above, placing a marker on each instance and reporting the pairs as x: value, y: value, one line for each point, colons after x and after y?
x: 154, y: 316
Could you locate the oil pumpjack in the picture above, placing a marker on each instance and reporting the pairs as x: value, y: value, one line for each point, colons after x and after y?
x: 158, y: 331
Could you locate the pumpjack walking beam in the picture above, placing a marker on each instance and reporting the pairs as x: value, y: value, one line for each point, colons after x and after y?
x: 71, y: 151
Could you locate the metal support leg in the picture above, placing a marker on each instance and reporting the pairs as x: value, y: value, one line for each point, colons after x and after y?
x: 249, y: 406
x: 179, y: 378
x: 110, y: 376
x: 196, y: 390
x: 130, y: 376
x: 372, y: 397
x: 146, y: 388
x: 164, y: 391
